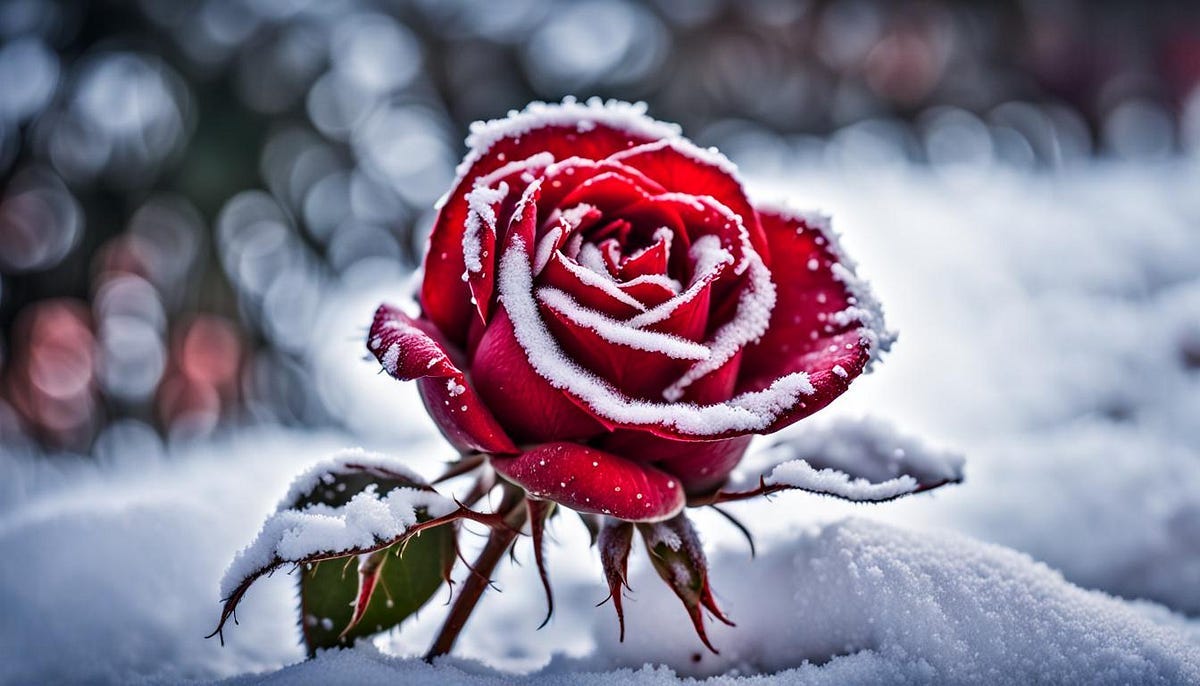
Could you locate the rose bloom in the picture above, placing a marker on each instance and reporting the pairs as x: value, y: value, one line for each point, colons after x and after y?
x: 609, y: 319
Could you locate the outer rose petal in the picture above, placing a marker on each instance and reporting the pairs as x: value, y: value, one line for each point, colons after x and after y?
x: 701, y: 466
x: 823, y: 322
x: 408, y: 350
x: 589, y: 480
x: 592, y: 131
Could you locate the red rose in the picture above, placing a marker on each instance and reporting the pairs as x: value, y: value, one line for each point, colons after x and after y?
x: 609, y: 318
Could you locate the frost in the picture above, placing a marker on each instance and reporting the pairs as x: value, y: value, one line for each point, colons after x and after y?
x: 865, y: 308
x: 480, y: 211
x: 749, y: 322
x: 871, y: 460
x: 366, y: 520
x: 392, y: 357
x: 707, y: 256
x: 619, y: 115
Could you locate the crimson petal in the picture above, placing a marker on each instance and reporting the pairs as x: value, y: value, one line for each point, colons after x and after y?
x: 409, y: 350
x: 825, y: 322
x: 589, y: 480
x: 682, y: 167
x: 700, y: 465
x: 503, y: 372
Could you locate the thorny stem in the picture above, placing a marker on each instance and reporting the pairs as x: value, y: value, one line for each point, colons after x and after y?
x: 479, y: 577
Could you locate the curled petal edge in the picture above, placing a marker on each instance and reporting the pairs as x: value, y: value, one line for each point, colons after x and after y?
x: 409, y: 350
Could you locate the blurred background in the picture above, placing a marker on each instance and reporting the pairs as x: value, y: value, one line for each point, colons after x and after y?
x: 184, y: 183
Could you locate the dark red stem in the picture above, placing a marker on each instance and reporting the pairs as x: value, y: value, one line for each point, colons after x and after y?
x: 480, y: 576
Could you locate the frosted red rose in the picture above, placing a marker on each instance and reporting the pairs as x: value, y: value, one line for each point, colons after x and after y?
x: 607, y: 316
x: 606, y: 321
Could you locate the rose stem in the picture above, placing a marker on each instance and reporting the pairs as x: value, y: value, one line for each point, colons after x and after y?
x: 479, y: 579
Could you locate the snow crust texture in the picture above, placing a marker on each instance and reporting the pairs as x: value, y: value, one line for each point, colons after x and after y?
x: 855, y: 602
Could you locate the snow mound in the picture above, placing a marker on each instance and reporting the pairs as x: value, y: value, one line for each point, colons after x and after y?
x: 871, y: 603
x: 853, y: 602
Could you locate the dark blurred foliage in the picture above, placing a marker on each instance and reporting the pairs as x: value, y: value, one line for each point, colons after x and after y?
x: 183, y: 181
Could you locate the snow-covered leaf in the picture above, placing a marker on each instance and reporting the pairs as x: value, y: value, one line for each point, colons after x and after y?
x: 355, y: 504
x: 863, y: 460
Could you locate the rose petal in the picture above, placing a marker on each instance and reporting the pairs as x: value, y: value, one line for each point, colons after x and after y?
x: 408, y: 350
x: 578, y: 175
x: 824, y: 323
x: 589, y: 480
x: 592, y: 131
x: 682, y: 167
x: 639, y: 362
x: 700, y: 465
x: 525, y: 404
x: 650, y: 261
x: 592, y: 290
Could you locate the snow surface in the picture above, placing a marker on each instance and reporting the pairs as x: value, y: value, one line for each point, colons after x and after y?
x: 1051, y: 332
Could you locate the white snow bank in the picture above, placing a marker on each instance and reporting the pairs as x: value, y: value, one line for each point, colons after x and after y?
x: 853, y: 602
x: 110, y: 570
x: 929, y: 607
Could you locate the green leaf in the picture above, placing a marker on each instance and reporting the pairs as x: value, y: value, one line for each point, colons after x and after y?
x: 408, y: 575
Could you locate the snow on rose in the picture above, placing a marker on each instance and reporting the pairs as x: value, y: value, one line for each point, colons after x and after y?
x: 606, y: 321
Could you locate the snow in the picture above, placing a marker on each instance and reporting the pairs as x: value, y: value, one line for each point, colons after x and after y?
x: 480, y: 212
x: 710, y: 156
x: 865, y: 602
x: 1051, y: 326
x: 873, y: 453
x: 707, y: 256
x: 619, y: 115
x: 341, y: 463
x: 602, y: 280
x: 750, y: 320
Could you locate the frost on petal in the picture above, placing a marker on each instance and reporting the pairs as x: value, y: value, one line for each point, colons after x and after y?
x: 593, y: 130
x: 680, y: 165
x: 746, y: 413
x: 864, y: 460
